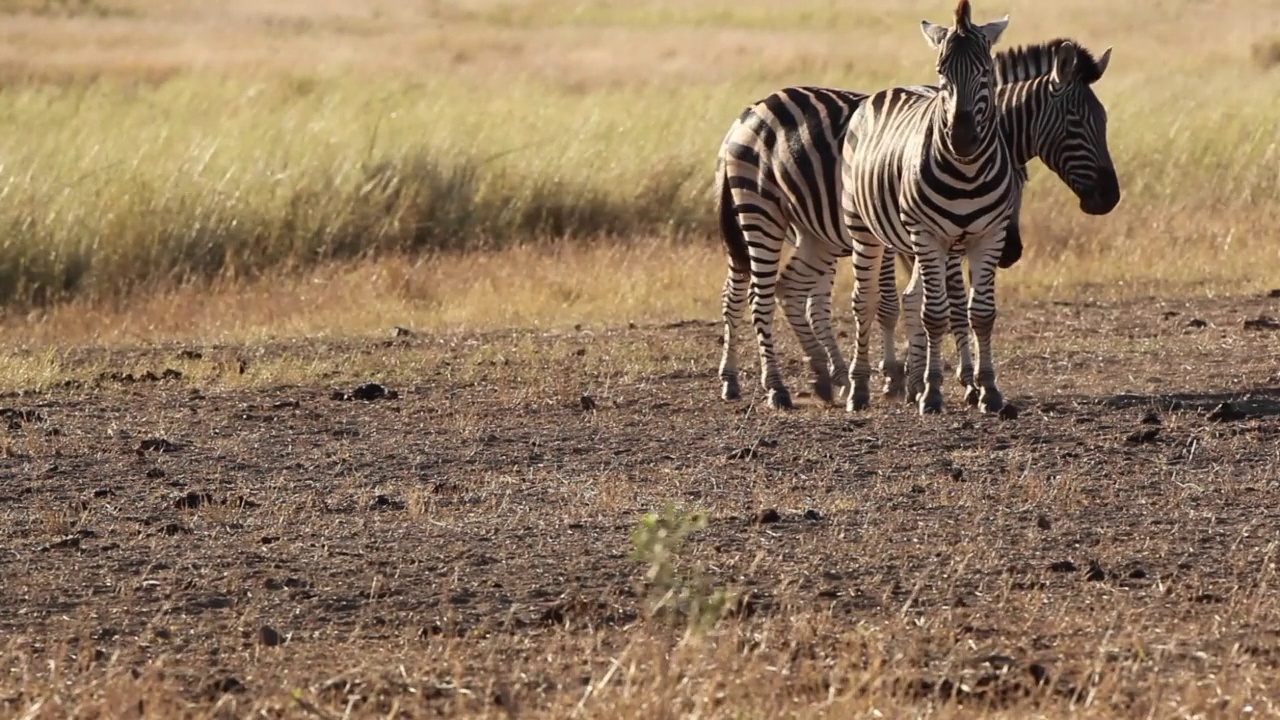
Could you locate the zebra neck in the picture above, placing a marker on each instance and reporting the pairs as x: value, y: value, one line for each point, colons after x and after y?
x: 1020, y: 108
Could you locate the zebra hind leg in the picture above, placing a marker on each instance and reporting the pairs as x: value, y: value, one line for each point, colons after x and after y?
x: 734, y: 304
x: 804, y: 276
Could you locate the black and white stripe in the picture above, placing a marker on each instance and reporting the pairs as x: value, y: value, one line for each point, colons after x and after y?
x: 778, y: 175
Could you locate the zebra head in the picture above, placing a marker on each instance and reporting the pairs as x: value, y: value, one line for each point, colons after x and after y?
x: 1073, y: 131
x: 965, y: 78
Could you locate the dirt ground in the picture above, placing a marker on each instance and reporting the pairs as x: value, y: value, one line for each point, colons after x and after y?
x: 245, y: 539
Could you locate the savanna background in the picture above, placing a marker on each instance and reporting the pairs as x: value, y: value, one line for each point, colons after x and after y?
x: 253, y: 195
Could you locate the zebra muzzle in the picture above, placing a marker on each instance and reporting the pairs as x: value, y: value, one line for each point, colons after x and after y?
x: 964, y: 134
x: 1103, y: 197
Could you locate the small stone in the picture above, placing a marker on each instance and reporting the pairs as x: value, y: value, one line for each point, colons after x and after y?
x: 1226, y: 412
x: 1063, y: 566
x: 1143, y: 436
x: 1008, y: 412
x: 587, y: 402
x: 1197, y: 323
x: 767, y: 516
x: 269, y: 636
x: 159, y: 445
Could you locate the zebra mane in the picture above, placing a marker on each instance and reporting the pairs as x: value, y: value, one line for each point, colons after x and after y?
x: 1029, y: 62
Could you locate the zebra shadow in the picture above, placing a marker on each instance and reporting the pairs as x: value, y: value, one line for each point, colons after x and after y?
x: 1251, y: 402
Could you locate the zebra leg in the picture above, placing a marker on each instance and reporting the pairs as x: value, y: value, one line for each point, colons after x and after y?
x: 868, y: 256
x: 913, y: 311
x: 734, y: 305
x: 819, y: 314
x: 983, y: 257
x: 958, y: 300
x: 803, y: 275
x: 887, y: 312
x: 764, y: 278
x: 931, y: 264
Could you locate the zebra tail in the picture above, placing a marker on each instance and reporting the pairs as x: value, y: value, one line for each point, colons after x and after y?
x: 735, y: 242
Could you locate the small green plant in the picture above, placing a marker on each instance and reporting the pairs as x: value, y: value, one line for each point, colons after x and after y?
x: 677, y: 587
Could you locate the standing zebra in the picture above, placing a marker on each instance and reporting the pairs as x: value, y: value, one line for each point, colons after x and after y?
x: 778, y: 170
x: 1049, y: 110
x: 963, y: 112
x: 926, y: 173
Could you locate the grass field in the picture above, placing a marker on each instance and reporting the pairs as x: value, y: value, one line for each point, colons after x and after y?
x: 252, y: 195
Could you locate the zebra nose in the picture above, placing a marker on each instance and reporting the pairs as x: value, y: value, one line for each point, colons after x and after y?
x: 1105, y: 194
x: 964, y: 132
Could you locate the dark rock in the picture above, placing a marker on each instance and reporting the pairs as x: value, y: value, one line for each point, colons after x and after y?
x: 1226, y: 412
x: 767, y: 516
x: 269, y: 636
x: 1143, y: 436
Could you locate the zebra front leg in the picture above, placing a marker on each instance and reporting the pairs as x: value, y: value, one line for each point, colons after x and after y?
x: 958, y: 301
x: 733, y: 305
x: 887, y: 312
x: 867, y: 259
x: 983, y: 258
x: 931, y: 265
x: 913, y: 310
x: 802, y: 276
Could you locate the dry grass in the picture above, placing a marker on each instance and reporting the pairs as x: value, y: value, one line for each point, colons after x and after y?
x: 149, y: 144
x: 462, y: 550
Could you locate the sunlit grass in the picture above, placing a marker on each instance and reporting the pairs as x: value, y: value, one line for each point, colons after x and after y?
x: 138, y: 188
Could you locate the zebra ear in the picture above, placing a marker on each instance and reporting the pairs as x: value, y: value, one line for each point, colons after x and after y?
x: 1064, y: 63
x: 1103, y: 60
x: 935, y: 34
x: 994, y: 29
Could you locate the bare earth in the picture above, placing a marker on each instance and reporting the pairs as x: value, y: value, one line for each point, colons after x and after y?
x: 211, y: 545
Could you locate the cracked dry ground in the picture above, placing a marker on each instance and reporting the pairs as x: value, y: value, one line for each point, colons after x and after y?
x: 238, y: 540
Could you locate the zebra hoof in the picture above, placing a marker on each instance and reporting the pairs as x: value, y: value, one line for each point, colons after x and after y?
x: 840, y: 384
x: 915, y: 392
x: 931, y: 401
x: 780, y: 399
x: 971, y: 395
x: 822, y: 388
x: 859, y: 400
x: 991, y: 401
x: 731, y: 390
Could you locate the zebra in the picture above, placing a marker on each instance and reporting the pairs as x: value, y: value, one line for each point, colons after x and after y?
x: 966, y: 86
x: 778, y: 169
x: 928, y: 173
x: 1054, y: 114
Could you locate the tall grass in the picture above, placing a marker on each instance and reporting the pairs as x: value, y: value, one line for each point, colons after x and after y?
x: 121, y: 183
